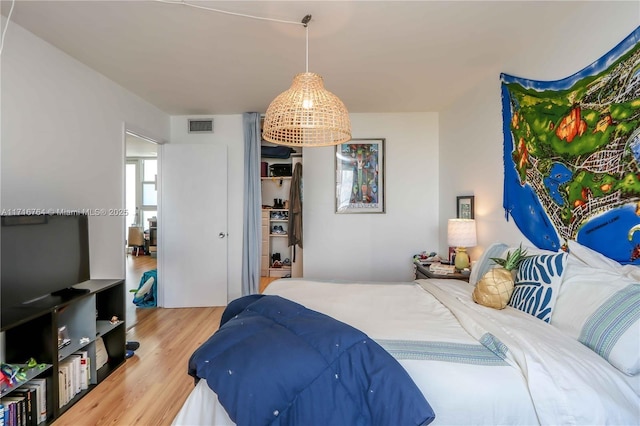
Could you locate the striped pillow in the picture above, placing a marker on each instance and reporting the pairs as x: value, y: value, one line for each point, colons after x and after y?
x: 613, y: 330
x: 537, y: 284
x: 599, y: 305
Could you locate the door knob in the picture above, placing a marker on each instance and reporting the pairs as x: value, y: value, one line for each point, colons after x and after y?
x: 222, y: 235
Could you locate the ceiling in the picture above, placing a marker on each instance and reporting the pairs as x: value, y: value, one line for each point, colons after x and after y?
x: 138, y: 147
x: 377, y: 56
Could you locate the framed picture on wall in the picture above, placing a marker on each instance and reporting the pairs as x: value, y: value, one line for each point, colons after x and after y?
x: 360, y: 176
x: 465, y: 207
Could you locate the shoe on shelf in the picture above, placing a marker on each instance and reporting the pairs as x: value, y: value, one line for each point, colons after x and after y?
x: 278, y: 230
x: 277, y: 264
x: 286, y: 262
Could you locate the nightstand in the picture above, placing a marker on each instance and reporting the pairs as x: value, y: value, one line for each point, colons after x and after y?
x: 422, y: 272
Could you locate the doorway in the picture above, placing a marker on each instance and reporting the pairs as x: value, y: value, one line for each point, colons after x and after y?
x: 141, y: 203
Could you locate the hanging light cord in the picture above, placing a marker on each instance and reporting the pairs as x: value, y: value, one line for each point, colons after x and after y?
x: 307, y: 49
x: 4, y: 31
x: 305, y: 22
x: 184, y: 3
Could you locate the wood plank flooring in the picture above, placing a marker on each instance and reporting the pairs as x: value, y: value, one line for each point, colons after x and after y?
x: 265, y: 281
x: 150, y: 387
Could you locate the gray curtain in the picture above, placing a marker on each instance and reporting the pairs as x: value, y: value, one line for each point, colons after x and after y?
x: 252, y: 217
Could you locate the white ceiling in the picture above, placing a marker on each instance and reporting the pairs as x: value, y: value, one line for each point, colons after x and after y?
x: 377, y: 56
x: 138, y: 147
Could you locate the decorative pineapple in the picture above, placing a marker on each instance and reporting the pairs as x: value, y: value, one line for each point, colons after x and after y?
x: 496, y: 286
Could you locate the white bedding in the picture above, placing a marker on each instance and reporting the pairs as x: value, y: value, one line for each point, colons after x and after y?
x: 547, y: 378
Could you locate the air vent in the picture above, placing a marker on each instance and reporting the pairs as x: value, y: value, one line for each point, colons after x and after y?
x: 201, y: 126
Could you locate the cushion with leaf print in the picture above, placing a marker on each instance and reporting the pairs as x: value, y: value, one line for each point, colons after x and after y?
x: 537, y: 284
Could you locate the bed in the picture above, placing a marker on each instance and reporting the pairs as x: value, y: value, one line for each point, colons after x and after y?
x: 482, y: 366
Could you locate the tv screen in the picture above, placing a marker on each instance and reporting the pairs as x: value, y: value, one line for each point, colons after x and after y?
x: 42, y: 254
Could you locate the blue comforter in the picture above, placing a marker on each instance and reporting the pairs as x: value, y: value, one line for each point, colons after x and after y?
x: 275, y: 362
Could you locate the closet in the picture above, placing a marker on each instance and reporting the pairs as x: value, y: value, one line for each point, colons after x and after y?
x: 278, y: 258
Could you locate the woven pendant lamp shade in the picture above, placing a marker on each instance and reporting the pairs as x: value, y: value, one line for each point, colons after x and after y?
x: 307, y: 115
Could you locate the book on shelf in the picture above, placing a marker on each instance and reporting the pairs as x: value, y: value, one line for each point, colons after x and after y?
x: 76, y: 365
x: 40, y: 386
x: 9, y: 413
x: 85, y: 370
x: 71, y: 390
x: 65, y: 372
x: 61, y: 386
x: 31, y: 409
x: 101, y: 353
x: 20, y: 410
x: 16, y: 410
x: 70, y: 379
x: 6, y: 412
x: 88, y: 371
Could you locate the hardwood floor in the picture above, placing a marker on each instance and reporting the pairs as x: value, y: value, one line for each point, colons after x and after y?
x: 265, y: 281
x: 150, y: 387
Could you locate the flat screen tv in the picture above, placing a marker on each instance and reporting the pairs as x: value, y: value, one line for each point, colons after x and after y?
x: 42, y: 255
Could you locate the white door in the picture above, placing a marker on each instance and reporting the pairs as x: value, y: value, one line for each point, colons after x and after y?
x: 192, y: 262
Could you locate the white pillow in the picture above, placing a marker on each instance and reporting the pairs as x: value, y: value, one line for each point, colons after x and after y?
x: 591, y: 257
x: 598, y: 260
x: 600, y: 306
x: 485, y: 263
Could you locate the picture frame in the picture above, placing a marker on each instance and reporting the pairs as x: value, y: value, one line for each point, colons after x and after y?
x: 465, y: 207
x: 360, y: 175
x: 452, y: 255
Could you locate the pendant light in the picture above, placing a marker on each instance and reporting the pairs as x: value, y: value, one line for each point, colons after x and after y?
x: 307, y: 114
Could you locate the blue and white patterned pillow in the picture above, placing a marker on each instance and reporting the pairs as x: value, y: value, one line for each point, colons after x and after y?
x: 537, y: 284
x: 484, y: 262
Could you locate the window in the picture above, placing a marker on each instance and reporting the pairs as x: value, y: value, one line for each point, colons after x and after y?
x: 149, y: 183
x: 131, y: 192
x: 141, y: 191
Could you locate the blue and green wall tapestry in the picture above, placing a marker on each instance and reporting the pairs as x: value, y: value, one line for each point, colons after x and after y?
x: 572, y: 155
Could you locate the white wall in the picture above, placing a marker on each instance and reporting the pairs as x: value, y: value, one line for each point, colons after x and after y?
x: 347, y: 246
x: 471, y: 129
x: 227, y: 130
x: 375, y: 247
x: 62, y: 140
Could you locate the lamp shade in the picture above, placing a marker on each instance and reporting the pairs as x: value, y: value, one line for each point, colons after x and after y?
x: 461, y: 233
x: 307, y: 115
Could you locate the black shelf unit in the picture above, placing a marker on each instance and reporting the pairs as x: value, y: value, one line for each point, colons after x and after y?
x: 31, y: 331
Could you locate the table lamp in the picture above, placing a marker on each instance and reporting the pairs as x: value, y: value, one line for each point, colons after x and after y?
x: 461, y: 233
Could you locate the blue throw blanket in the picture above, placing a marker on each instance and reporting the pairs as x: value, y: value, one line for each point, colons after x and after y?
x: 275, y: 362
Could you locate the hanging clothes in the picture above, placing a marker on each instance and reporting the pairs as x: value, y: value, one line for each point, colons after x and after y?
x: 295, y: 209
